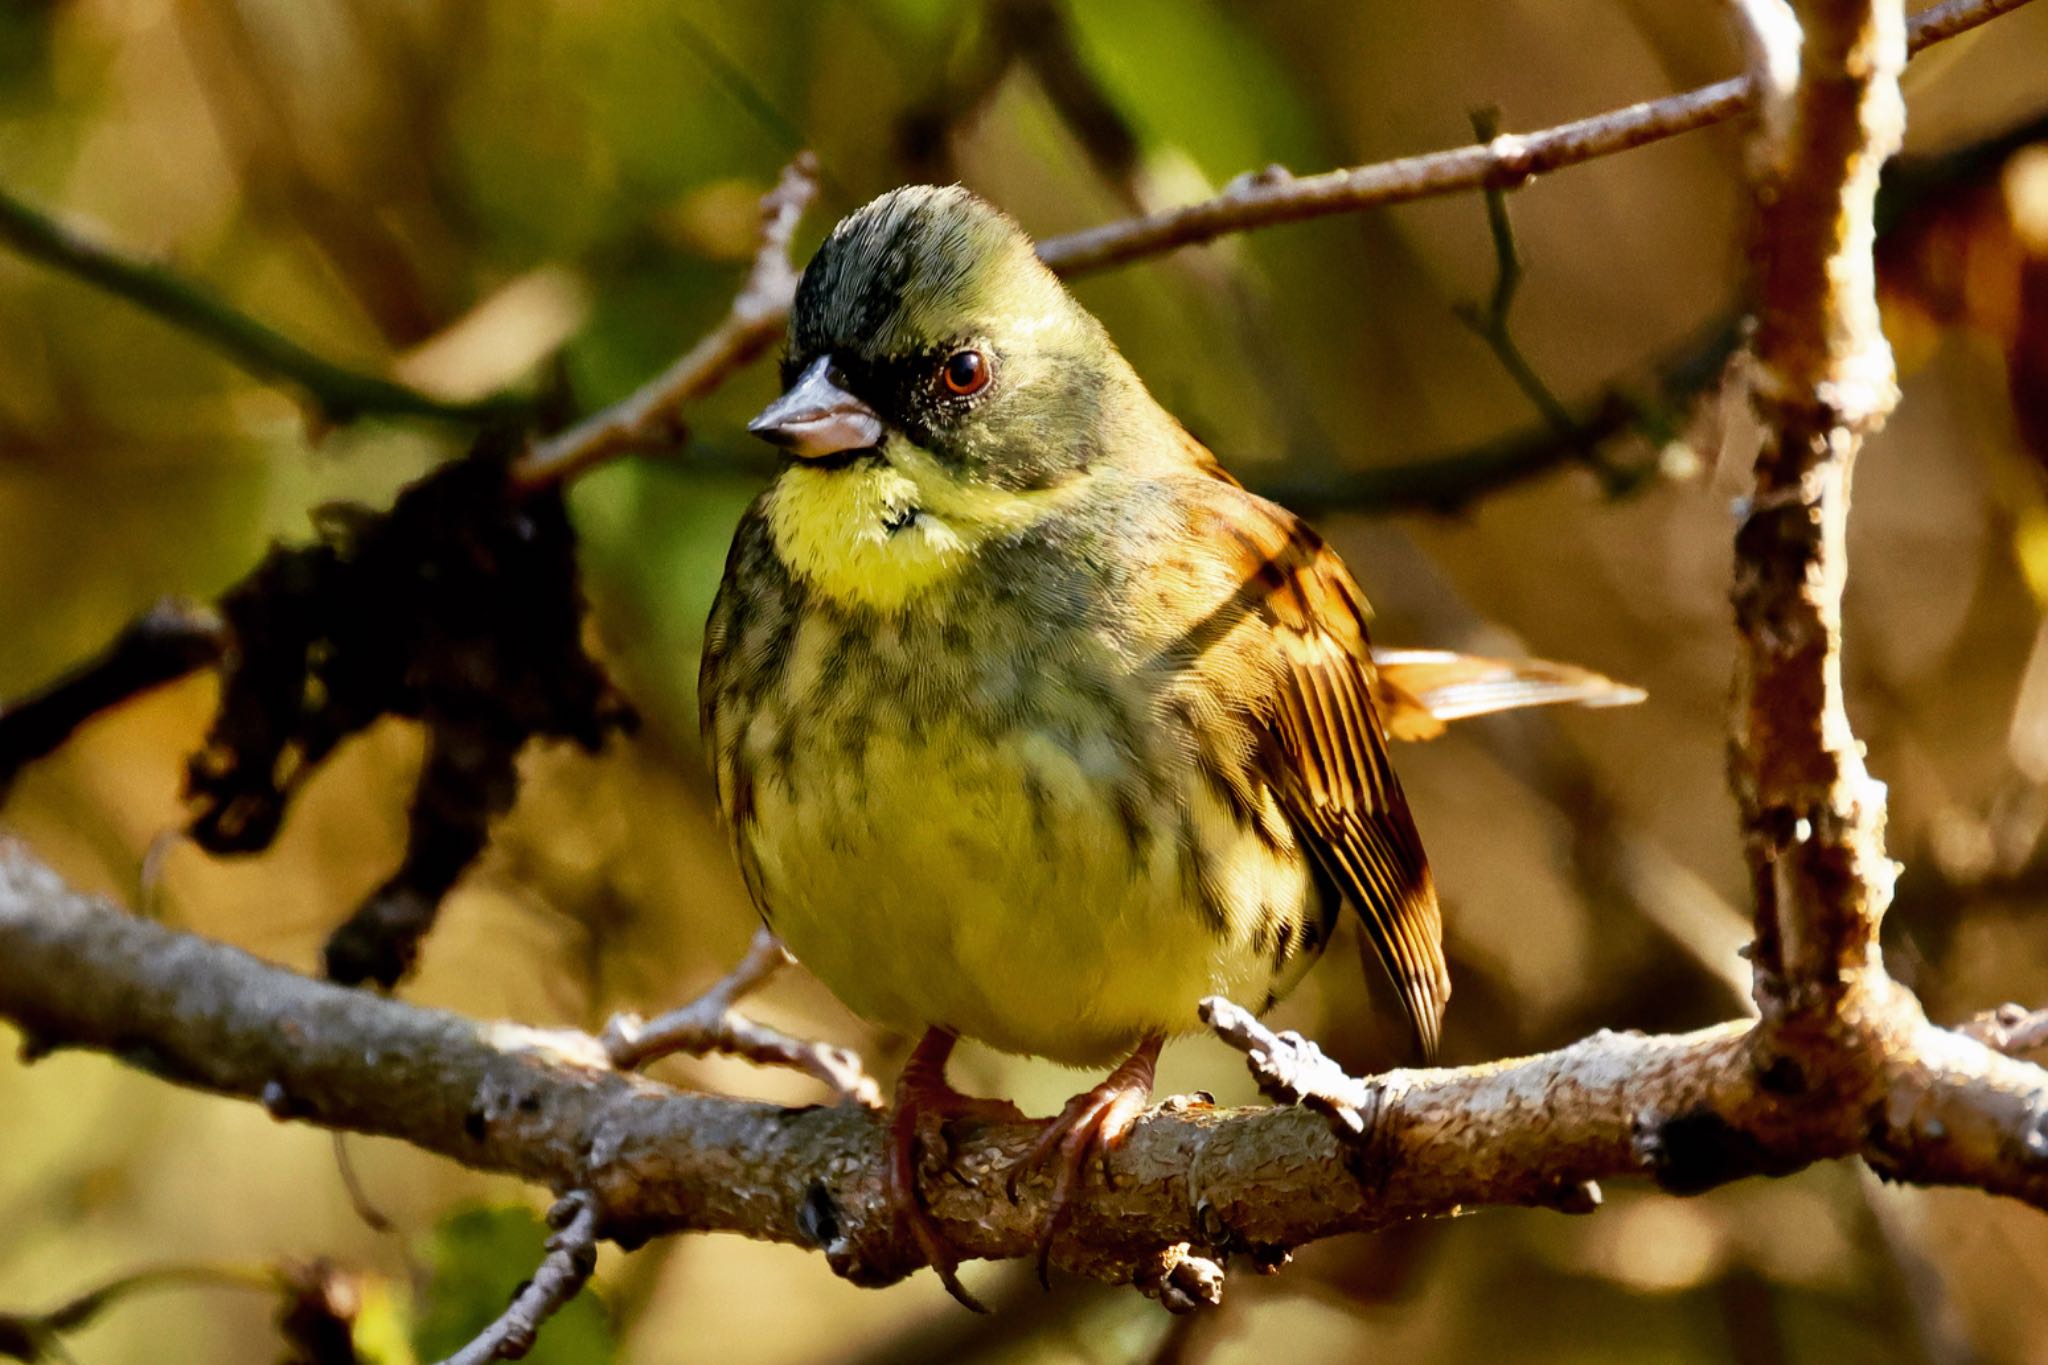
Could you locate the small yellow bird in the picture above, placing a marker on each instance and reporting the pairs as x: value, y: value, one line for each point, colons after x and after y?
x: 1029, y: 723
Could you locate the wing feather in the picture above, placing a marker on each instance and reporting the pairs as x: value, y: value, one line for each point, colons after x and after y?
x: 1420, y: 689
x: 1325, y: 751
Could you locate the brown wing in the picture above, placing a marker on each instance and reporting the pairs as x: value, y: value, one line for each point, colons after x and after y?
x: 1326, y: 751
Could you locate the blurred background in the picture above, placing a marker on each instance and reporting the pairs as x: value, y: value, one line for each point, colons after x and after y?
x: 560, y: 195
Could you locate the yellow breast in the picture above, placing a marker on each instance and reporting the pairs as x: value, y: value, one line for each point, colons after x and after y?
x: 988, y: 884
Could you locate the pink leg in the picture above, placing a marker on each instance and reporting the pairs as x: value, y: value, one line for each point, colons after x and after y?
x: 925, y: 1101
x: 1093, y: 1124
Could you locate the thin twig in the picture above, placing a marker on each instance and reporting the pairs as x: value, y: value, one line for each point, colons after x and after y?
x: 1452, y: 481
x: 710, y: 1023
x: 27, y: 1336
x: 1290, y: 1069
x: 650, y: 415
x: 162, y: 645
x: 2011, y: 1029
x: 337, y: 393
x: 374, y: 1218
x: 560, y: 1277
x: 1508, y: 162
x: 1491, y: 325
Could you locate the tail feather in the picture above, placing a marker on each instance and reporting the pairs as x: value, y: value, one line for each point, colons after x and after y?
x: 1422, y: 689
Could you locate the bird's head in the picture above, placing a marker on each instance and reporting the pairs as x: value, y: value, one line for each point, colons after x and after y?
x: 927, y: 321
x: 941, y: 392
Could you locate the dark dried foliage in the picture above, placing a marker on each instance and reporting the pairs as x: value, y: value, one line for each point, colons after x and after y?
x: 460, y: 608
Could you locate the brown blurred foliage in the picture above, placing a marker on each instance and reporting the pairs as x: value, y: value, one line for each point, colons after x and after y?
x: 470, y: 196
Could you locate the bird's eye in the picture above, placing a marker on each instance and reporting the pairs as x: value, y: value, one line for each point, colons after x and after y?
x: 965, y: 372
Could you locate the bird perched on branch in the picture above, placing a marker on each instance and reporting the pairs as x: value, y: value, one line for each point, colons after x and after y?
x: 1029, y: 723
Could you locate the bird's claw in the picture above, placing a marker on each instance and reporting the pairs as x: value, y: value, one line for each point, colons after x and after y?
x: 925, y: 1108
x: 1092, y: 1125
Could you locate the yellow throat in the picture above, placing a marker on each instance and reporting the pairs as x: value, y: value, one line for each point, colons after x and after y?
x: 880, y: 531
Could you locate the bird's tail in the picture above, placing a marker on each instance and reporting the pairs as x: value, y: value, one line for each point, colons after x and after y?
x: 1420, y: 690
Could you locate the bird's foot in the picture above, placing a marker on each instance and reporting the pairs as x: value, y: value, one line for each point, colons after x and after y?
x: 1093, y: 1125
x: 925, y: 1105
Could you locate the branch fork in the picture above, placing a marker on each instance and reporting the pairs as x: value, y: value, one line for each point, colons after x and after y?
x: 710, y: 1023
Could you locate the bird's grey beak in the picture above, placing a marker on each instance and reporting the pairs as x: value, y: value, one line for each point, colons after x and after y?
x: 817, y: 418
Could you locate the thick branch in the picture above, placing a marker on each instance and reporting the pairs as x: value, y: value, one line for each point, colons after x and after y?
x: 340, y: 394
x: 1813, y: 818
x: 548, y: 1107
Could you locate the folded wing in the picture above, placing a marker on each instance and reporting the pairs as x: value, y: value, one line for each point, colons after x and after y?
x: 1325, y: 752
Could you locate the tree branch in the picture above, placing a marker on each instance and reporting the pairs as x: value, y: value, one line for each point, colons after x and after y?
x: 1812, y: 817
x: 2010, y: 1029
x: 571, y: 1258
x: 339, y: 394
x: 1841, y: 1064
x: 1505, y: 162
x: 1689, y: 1110
x: 35, y: 1336
x: 650, y: 414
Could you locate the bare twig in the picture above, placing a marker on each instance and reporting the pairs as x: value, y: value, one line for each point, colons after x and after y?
x: 650, y: 415
x: 710, y: 1023
x: 1452, y: 481
x: 339, y: 394
x: 2010, y: 1029
x: 1292, y: 1070
x: 162, y: 645
x: 1508, y: 161
x: 31, y: 1336
x: 1490, y: 323
x: 571, y: 1258
x: 374, y: 1218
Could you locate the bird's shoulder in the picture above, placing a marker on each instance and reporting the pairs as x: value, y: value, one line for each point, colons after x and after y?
x: 1200, y: 556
